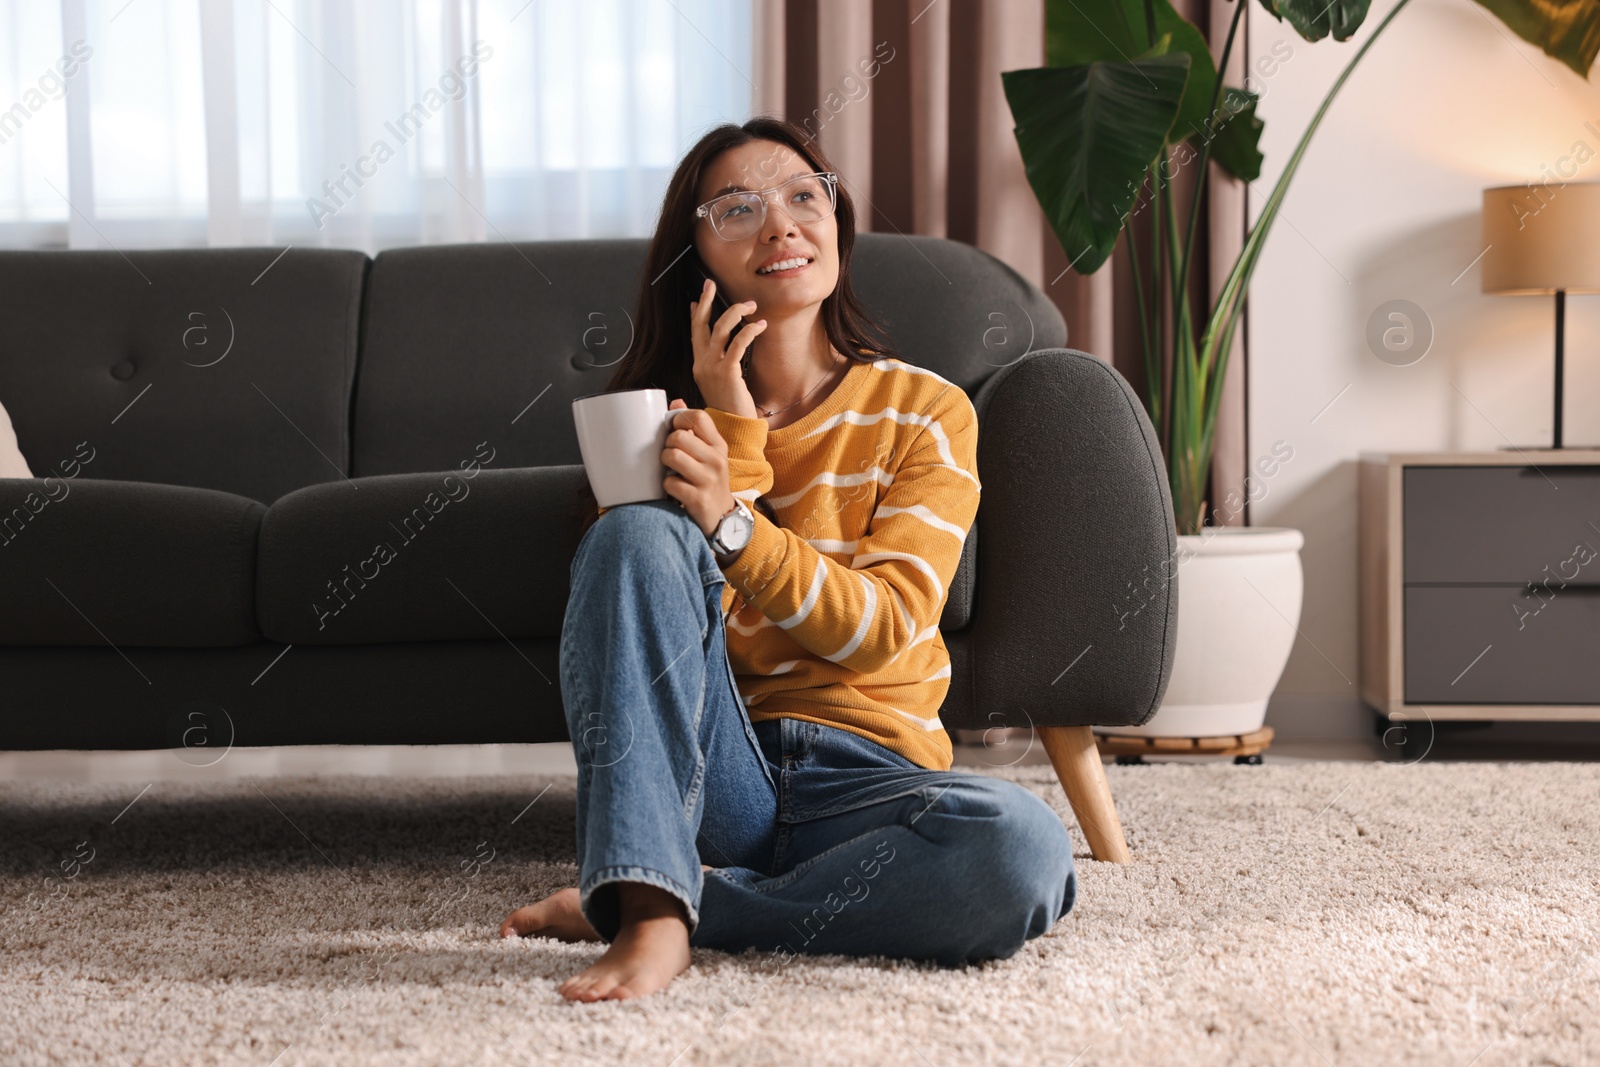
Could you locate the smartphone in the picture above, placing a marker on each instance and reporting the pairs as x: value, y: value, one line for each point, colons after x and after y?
x: 719, y: 304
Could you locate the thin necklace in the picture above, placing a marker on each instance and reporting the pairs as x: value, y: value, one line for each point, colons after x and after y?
x: 777, y: 411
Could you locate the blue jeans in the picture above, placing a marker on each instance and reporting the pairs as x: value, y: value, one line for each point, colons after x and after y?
x: 822, y: 841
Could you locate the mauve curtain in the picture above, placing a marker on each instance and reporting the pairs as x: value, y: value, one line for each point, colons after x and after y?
x: 905, y: 97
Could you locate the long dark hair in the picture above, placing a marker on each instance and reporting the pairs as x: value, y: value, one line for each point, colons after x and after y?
x: 662, y: 355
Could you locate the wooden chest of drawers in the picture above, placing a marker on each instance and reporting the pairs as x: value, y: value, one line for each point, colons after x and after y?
x: 1480, y: 584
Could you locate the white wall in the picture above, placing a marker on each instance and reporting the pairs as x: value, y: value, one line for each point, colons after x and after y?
x: 1386, y: 206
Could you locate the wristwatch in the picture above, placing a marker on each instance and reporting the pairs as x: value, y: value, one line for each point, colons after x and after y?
x: 733, y: 530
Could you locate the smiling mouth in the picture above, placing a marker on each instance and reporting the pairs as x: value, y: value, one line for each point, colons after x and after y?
x: 786, y: 266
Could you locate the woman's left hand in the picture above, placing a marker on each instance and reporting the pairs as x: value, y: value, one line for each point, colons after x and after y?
x: 697, y: 467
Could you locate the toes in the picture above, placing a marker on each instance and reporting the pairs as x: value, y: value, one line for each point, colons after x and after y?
x: 520, y: 922
x: 602, y: 987
x: 587, y: 992
x: 585, y: 986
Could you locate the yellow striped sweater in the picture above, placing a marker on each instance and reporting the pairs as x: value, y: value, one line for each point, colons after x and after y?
x: 834, y: 612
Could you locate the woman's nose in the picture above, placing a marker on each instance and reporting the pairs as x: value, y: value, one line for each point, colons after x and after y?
x: 778, y: 220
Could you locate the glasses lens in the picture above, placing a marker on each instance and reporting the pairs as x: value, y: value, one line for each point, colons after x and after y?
x: 737, y: 215
x: 808, y: 198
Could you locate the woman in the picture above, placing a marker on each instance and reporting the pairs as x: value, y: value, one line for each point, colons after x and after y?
x: 753, y: 692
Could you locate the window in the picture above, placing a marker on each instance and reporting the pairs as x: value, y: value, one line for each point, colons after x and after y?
x: 354, y: 124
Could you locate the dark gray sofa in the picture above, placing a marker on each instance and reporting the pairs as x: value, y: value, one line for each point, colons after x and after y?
x: 222, y: 450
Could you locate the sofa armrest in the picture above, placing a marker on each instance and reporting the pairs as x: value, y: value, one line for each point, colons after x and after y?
x: 1075, y: 619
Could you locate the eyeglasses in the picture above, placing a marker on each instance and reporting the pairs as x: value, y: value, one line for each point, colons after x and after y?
x: 806, y: 198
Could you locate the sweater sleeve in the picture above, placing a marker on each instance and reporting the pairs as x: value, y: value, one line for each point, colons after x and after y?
x: 890, y: 596
x: 749, y: 473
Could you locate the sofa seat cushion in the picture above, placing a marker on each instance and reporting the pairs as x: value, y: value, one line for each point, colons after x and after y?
x: 445, y: 556
x: 87, y: 561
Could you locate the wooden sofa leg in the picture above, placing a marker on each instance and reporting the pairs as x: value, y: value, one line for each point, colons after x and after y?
x: 1073, y: 753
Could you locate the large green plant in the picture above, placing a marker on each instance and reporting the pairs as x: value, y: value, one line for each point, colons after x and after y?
x: 1131, y: 94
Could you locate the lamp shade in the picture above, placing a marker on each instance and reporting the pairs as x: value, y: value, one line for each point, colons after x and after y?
x: 1542, y: 240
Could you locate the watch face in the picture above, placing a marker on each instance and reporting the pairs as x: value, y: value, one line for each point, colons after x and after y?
x: 737, y: 530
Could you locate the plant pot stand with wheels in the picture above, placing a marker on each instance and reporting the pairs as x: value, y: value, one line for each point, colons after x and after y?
x: 1244, y: 748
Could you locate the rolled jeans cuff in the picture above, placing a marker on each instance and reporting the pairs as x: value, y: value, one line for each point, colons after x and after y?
x: 605, y: 915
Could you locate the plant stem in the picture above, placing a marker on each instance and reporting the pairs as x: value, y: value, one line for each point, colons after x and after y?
x: 1199, y: 431
x: 1187, y: 391
x: 1152, y: 368
x: 1168, y: 382
x: 1205, y: 146
x: 1231, y: 297
x: 1217, y: 340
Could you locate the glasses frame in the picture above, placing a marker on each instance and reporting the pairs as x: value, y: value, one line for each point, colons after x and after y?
x: 830, y: 178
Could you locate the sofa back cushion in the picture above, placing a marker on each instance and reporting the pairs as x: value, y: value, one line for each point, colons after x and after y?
x: 466, y: 343
x: 471, y: 343
x: 189, y: 367
x: 951, y: 307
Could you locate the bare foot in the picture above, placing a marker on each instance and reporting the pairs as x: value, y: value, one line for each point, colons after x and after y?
x: 650, y: 950
x: 557, y: 916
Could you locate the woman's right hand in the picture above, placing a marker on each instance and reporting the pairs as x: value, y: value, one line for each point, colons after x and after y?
x: 717, y: 369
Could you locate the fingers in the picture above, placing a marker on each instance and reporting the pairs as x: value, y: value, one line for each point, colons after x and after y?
x: 742, y: 339
x: 677, y: 405
x: 701, y: 424
x: 700, y: 310
x: 711, y: 340
x: 695, y: 462
x: 699, y: 328
x: 699, y: 465
x: 688, y: 441
x: 728, y: 323
x: 702, y: 305
x: 680, y: 462
x: 684, y: 490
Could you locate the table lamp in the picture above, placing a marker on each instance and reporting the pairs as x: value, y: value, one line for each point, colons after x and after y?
x: 1543, y: 239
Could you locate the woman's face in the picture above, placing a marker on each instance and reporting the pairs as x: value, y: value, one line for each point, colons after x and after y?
x: 736, y: 265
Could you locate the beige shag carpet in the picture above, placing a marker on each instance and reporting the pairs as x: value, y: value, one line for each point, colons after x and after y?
x: 1315, y: 913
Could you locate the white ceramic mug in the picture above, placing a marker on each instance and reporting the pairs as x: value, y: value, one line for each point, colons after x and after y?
x: 621, y: 436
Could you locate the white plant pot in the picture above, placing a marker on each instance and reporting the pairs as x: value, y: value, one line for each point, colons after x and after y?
x: 1239, y: 591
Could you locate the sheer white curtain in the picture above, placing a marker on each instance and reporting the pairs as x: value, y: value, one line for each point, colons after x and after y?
x: 351, y: 124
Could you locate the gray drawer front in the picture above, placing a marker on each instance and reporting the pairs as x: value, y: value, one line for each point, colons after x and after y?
x: 1549, y: 657
x: 1500, y: 524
